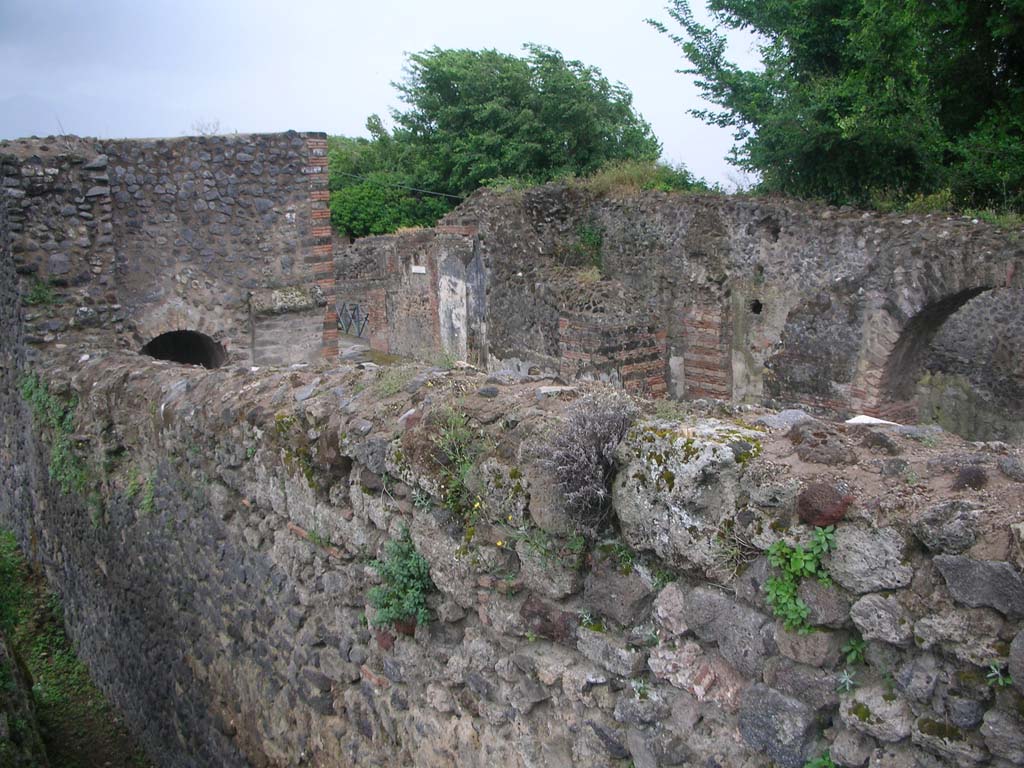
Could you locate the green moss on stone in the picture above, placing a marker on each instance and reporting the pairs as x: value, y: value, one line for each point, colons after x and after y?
x: 861, y: 711
x: 940, y: 730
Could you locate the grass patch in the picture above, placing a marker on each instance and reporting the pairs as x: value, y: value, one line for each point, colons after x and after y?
x: 79, y: 727
x: 391, y: 381
x: 624, y: 176
x: 40, y: 294
x: 67, y: 469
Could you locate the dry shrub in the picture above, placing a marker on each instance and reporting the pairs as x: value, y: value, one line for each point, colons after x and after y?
x: 582, y: 454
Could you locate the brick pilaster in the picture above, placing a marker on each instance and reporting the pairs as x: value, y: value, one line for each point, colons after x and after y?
x: 321, y: 259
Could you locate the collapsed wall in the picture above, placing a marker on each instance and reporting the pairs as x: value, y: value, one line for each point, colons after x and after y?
x: 744, y: 299
x: 212, y: 534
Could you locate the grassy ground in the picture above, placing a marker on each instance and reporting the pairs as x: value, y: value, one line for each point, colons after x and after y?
x: 80, y: 729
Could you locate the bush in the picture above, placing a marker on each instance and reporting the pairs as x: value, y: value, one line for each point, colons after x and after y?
x: 406, y: 576
x: 582, y: 455
x: 624, y: 176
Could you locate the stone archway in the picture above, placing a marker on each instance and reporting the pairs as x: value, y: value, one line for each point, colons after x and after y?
x: 897, y: 334
x: 185, y: 327
x: 186, y: 347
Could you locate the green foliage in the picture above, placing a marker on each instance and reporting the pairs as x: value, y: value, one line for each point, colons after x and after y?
x: 586, y: 248
x: 630, y: 176
x: 460, y: 447
x: 67, y: 469
x: 846, y: 682
x: 476, y: 115
x: 406, y: 582
x: 39, y: 294
x: 624, y: 557
x: 484, y: 117
x: 391, y: 381
x: 76, y: 721
x: 869, y: 99
x: 318, y: 539
x: 854, y: 650
x: 795, y: 563
x: 147, y: 503
x: 997, y: 677
x: 824, y: 761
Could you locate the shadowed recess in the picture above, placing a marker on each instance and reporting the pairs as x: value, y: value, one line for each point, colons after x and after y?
x: 188, y: 347
x: 907, y: 358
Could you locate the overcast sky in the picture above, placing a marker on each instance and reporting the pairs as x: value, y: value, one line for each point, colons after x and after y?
x: 115, y: 68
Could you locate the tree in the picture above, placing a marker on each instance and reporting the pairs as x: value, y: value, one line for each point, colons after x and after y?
x: 478, y: 115
x: 370, y: 193
x: 865, y: 99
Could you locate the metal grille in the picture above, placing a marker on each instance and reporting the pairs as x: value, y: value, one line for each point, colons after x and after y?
x: 352, y: 319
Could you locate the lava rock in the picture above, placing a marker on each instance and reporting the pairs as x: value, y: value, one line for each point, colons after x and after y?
x: 822, y: 504
x: 781, y: 727
x: 950, y: 527
x: 980, y: 583
x: 882, y: 618
x: 869, y: 560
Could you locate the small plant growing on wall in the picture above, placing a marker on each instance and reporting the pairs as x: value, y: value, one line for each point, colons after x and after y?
x: 795, y: 563
x: 67, y: 469
x: 460, y: 447
x: 582, y: 454
x: 402, y: 597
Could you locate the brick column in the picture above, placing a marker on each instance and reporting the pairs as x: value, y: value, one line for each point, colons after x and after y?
x: 322, y: 258
x: 707, y: 359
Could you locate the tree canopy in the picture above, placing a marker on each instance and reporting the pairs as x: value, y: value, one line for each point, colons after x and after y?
x: 862, y: 100
x: 476, y: 116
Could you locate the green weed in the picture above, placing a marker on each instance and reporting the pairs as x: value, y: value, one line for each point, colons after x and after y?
x: 406, y: 582
x: 794, y: 564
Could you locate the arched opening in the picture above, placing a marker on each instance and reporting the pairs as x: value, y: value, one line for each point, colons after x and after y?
x: 959, y: 363
x: 187, y: 347
x: 906, y: 361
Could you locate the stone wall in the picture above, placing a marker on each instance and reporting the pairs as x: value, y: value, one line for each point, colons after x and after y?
x: 139, y: 237
x: 220, y: 592
x: 751, y: 300
x: 418, y: 290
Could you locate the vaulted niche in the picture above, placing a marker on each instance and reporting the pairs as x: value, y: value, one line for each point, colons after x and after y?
x: 188, y: 347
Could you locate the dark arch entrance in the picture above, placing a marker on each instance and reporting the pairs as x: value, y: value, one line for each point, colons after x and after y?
x: 188, y: 347
x: 906, y: 361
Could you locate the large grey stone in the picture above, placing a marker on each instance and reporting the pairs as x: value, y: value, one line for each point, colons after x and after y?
x: 780, y: 726
x: 869, y: 560
x: 818, y: 649
x: 744, y: 636
x: 811, y: 685
x: 917, y: 678
x: 850, y: 748
x: 610, y: 652
x: 969, y: 634
x: 1004, y: 735
x: 58, y: 264
x: 876, y: 711
x: 827, y: 604
x: 676, y: 487
x: 980, y: 583
x: 547, y: 574
x: 1017, y: 661
x: 950, y: 527
x: 882, y: 618
x: 619, y: 594
x: 949, y: 742
x: 1012, y: 467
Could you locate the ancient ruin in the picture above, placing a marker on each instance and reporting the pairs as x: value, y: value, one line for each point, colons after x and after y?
x: 216, y: 416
